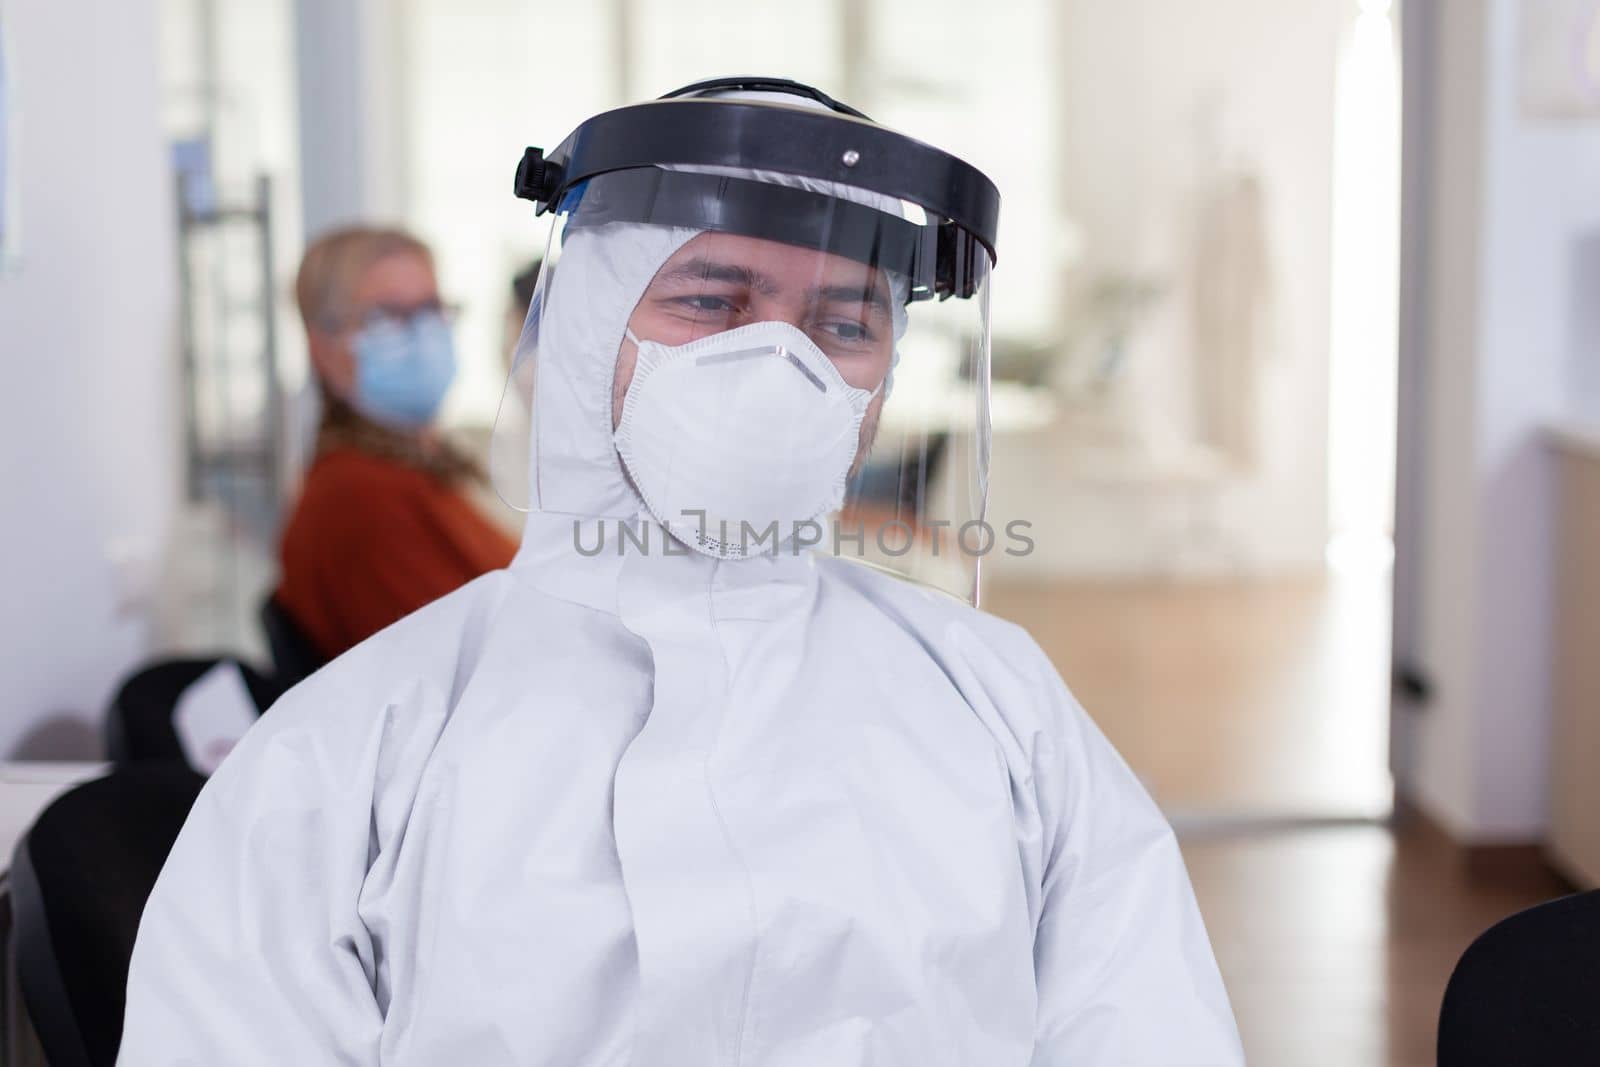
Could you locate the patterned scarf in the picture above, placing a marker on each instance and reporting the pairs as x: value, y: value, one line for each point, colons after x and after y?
x: 344, y: 427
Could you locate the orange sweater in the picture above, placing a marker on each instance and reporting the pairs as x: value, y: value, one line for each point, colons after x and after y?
x: 372, y: 540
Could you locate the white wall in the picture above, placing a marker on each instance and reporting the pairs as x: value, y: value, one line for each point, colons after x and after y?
x: 1447, y: 233
x: 86, y: 334
x: 1511, y: 198
x: 1135, y: 77
x: 1542, y: 183
x: 353, y: 109
x: 1417, y: 65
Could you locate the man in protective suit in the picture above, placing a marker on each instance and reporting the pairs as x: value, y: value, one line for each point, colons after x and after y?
x: 678, y: 788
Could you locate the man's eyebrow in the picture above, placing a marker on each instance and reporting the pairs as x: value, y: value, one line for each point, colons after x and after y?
x: 852, y: 294
x: 700, y: 269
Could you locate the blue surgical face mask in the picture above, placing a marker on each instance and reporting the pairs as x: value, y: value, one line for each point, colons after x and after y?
x: 403, y: 369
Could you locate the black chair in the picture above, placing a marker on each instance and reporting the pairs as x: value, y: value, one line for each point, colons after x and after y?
x: 139, y: 722
x: 79, y: 882
x: 1527, y: 992
x: 294, y: 657
x: 902, y: 481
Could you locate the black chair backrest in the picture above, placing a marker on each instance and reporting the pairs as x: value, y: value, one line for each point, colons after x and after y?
x: 903, y: 481
x: 1527, y: 992
x: 139, y: 725
x: 294, y: 657
x: 79, y: 882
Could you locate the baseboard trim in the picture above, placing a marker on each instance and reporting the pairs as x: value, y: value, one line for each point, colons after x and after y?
x: 1500, y: 864
x: 1199, y: 824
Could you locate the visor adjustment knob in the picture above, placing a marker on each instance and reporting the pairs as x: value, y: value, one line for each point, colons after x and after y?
x: 536, y: 176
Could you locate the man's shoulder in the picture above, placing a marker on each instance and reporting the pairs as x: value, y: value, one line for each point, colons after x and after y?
x: 426, y: 651
x: 923, y: 603
x: 996, y: 666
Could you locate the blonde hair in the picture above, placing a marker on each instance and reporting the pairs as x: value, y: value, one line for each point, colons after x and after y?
x: 335, y: 260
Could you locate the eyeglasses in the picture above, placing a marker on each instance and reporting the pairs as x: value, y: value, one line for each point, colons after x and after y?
x: 390, y: 315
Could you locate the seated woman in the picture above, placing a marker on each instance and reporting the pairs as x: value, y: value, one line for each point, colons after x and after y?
x: 383, y: 524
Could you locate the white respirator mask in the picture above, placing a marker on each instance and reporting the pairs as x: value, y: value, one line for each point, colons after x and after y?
x: 731, y: 435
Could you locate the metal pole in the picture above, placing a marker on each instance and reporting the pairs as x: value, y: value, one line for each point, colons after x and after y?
x: 622, y: 15
x: 269, y: 334
x: 855, y: 53
x: 187, y: 343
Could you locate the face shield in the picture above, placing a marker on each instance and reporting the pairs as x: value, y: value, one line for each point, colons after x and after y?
x: 763, y: 324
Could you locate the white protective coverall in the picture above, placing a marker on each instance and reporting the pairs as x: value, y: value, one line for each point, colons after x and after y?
x: 670, y: 811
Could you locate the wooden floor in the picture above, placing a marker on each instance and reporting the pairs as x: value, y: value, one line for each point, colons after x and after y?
x: 1269, y: 698
x: 1252, y: 696
x: 1336, y: 944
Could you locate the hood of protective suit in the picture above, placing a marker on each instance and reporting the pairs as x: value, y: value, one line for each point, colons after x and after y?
x: 592, y: 292
x: 664, y: 811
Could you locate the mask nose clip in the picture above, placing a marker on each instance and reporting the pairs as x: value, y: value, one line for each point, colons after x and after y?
x: 773, y: 351
x: 799, y: 365
x: 776, y: 349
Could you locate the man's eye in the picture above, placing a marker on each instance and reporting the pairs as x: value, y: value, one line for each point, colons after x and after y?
x: 707, y: 303
x: 848, y: 331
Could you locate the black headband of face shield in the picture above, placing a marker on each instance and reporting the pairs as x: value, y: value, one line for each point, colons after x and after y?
x: 758, y: 84
x: 764, y: 210
x: 833, y: 146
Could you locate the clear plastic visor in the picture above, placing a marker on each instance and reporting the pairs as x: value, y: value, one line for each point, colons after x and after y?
x: 759, y: 364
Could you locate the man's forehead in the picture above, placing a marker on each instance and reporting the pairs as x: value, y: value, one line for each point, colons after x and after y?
x: 766, y: 264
